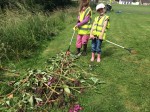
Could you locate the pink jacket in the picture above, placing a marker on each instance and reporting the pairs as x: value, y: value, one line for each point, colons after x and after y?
x: 80, y: 23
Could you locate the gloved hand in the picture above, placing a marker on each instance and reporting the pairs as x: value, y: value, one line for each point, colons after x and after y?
x: 75, y: 27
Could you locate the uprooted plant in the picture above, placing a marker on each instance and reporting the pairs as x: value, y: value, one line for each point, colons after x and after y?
x: 57, y: 85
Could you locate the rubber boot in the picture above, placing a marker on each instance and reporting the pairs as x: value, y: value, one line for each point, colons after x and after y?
x: 98, y: 57
x: 84, y: 50
x: 78, y: 51
x: 93, y: 56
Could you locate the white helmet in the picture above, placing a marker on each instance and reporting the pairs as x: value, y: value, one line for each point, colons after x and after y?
x: 99, y: 6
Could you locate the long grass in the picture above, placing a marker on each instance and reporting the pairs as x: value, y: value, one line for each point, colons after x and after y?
x: 23, y: 33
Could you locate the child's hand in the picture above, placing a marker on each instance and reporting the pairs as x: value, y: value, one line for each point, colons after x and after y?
x: 75, y: 27
x: 101, y: 37
x: 92, y: 36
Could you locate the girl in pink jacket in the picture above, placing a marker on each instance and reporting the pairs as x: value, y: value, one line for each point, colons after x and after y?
x: 84, y: 26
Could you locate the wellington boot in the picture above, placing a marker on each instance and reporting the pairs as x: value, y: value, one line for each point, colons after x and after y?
x: 78, y: 51
x: 84, y: 53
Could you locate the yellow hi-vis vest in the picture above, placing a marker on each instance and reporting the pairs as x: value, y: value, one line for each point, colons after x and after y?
x: 85, y: 29
x: 98, y: 25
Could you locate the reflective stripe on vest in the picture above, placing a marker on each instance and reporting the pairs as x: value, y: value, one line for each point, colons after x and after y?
x: 85, y: 29
x: 98, y: 25
x: 84, y: 14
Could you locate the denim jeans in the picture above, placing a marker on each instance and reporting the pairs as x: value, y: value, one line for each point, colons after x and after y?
x: 96, y: 45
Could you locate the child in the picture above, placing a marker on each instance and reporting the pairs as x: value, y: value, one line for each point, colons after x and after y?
x: 97, y: 34
x: 83, y: 26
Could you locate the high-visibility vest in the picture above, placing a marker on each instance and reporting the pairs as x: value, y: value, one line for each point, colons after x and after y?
x: 85, y: 29
x: 98, y: 25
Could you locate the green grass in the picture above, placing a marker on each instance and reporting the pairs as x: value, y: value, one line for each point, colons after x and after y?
x: 126, y: 76
x: 23, y: 33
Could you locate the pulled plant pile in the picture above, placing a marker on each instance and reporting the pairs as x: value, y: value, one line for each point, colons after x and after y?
x: 57, y: 85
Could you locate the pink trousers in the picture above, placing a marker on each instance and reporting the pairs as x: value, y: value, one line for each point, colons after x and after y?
x: 81, y: 39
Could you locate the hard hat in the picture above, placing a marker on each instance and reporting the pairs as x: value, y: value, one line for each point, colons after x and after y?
x: 99, y: 6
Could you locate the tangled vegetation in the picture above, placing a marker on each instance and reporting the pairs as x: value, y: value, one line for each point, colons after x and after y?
x: 57, y: 85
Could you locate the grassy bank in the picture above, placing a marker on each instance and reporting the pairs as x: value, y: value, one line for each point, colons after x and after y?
x: 23, y: 33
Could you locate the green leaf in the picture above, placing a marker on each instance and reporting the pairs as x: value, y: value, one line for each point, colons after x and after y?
x: 44, y: 79
x: 8, y: 103
x: 94, y: 79
x: 31, y: 101
x: 82, y: 81
x: 17, y: 83
x: 28, y: 84
x: 38, y: 99
x: 43, y: 73
x: 66, y: 89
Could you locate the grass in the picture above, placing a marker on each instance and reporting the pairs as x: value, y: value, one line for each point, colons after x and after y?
x: 126, y: 76
x: 23, y: 33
